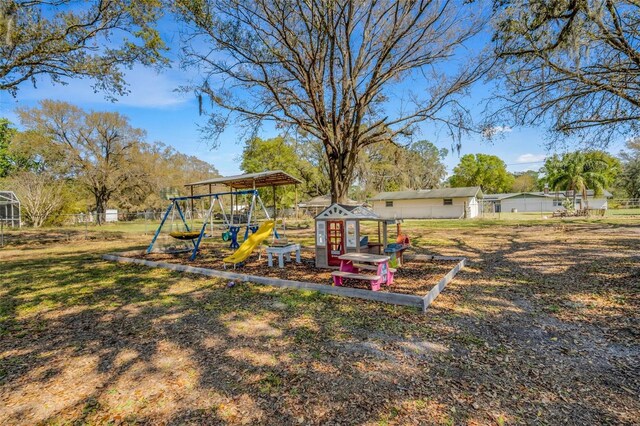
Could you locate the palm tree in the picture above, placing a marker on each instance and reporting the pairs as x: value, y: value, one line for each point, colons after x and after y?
x: 579, y: 171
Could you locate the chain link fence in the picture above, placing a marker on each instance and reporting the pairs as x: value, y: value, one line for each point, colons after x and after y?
x: 83, y: 225
x: 495, y: 209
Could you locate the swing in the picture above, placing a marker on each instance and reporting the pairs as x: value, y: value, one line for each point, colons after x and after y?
x: 187, y: 234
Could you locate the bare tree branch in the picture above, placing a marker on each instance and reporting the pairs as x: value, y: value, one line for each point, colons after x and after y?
x: 327, y: 68
x: 573, y: 62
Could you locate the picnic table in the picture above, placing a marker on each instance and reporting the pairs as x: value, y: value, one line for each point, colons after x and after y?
x: 352, y: 266
x: 283, y: 252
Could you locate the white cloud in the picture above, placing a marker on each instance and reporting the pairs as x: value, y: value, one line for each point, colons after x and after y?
x: 495, y: 130
x: 530, y: 158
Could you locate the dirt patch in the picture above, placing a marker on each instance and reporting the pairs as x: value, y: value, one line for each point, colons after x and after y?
x: 416, y: 276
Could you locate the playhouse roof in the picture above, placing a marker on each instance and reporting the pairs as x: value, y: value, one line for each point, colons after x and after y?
x: 343, y: 211
x: 251, y: 180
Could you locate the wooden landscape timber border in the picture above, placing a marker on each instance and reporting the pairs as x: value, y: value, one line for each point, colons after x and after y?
x: 421, y: 303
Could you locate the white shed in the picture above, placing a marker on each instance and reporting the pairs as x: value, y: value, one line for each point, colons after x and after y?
x: 442, y: 203
x: 111, y: 215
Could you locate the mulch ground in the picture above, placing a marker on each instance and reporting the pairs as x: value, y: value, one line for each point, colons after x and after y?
x: 541, y: 328
x: 417, y: 276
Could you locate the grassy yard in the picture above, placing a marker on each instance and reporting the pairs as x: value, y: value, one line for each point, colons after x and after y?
x: 541, y: 328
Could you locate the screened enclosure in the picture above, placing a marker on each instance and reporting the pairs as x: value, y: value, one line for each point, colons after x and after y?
x: 9, y: 209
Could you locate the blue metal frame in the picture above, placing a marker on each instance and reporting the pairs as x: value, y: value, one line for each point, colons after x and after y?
x: 186, y: 225
x: 196, y: 244
x: 164, y: 219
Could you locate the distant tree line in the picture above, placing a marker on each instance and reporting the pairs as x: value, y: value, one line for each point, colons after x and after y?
x: 576, y: 171
x: 67, y: 160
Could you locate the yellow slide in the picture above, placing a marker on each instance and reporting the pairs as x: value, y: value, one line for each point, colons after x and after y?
x: 251, y: 243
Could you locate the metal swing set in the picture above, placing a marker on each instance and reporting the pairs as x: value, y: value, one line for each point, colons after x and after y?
x: 195, y: 236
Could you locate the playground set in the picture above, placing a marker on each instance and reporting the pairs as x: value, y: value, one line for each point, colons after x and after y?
x: 242, y: 186
x: 340, y: 251
x: 230, y: 228
x: 338, y: 242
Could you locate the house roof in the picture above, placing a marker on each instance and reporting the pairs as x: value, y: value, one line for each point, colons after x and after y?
x: 251, y: 180
x: 551, y: 194
x: 470, y: 191
x: 325, y: 201
x: 343, y: 211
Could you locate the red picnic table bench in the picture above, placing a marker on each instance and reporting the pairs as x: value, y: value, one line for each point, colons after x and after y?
x: 352, y: 266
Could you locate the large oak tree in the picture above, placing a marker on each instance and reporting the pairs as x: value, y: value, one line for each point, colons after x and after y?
x: 102, y: 148
x: 572, y: 64
x: 69, y: 38
x: 349, y: 73
x: 484, y: 170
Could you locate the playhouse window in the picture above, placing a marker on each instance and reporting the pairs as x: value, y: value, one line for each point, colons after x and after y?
x: 388, y: 203
x: 448, y: 201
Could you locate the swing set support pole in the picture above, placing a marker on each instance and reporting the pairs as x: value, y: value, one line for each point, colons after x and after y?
x: 250, y: 214
x: 164, y: 219
x: 186, y: 225
x: 227, y: 223
x: 196, y: 244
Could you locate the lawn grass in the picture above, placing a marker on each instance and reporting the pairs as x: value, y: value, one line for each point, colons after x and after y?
x: 541, y: 328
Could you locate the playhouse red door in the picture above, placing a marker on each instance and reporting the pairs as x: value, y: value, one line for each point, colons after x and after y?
x: 335, y: 241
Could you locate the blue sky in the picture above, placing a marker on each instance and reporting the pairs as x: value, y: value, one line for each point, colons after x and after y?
x: 172, y: 117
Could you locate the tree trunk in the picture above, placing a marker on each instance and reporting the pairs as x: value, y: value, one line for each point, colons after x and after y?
x: 341, y: 169
x: 101, y: 206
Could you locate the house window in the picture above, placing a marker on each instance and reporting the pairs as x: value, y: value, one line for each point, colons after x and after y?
x: 557, y: 203
x: 388, y: 203
x: 448, y: 201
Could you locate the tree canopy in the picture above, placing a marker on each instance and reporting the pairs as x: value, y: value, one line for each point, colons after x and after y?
x: 629, y: 178
x: 101, y: 147
x: 484, y: 170
x: 579, y: 171
x: 61, y: 40
x: 329, y: 69
x: 89, y: 160
x: 573, y: 63
x: 390, y: 167
x: 281, y: 153
x: 525, y: 181
x: 6, y: 134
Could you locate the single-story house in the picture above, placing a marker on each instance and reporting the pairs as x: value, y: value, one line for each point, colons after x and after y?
x: 543, y: 201
x: 455, y: 203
